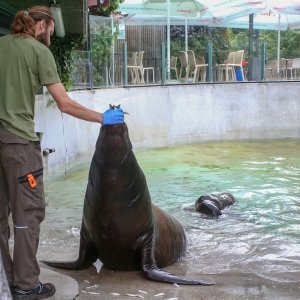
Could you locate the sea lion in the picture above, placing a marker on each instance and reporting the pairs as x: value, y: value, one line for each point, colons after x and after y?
x: 213, y: 204
x: 120, y: 225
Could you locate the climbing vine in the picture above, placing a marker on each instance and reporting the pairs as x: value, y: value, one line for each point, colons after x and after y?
x: 62, y: 49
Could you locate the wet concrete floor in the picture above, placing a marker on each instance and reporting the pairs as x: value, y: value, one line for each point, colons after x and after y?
x: 107, y: 284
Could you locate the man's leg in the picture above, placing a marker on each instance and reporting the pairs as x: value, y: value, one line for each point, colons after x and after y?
x: 4, y: 226
x: 28, y: 209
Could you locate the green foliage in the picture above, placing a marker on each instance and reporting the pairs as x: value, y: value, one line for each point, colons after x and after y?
x: 233, y: 39
x: 198, y: 38
x: 238, y: 39
x: 62, y: 49
x: 102, y: 40
x: 289, y: 42
x: 106, y: 11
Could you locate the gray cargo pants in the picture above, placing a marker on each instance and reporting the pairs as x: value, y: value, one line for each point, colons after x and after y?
x: 22, y: 194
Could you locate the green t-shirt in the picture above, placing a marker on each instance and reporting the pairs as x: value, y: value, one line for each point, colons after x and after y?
x: 25, y: 65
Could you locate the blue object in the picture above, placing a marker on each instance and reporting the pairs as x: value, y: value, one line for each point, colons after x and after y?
x: 238, y: 74
x: 113, y: 116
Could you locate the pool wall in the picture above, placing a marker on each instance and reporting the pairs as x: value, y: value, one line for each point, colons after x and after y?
x: 176, y: 114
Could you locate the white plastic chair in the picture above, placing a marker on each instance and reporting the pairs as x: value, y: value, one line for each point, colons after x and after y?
x: 184, y: 66
x: 294, y: 68
x: 173, y: 66
x: 136, y: 70
x: 132, y: 63
x: 238, y: 63
x: 195, y: 68
x: 229, y: 71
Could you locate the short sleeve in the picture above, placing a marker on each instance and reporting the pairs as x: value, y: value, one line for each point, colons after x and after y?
x: 47, y: 68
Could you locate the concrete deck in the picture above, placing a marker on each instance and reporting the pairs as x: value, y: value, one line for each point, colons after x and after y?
x: 96, y: 282
x: 88, y: 284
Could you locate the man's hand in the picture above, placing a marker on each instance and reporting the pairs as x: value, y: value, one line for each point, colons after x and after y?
x: 113, y: 116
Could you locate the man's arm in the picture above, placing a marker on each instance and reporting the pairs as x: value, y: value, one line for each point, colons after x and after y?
x: 71, y: 107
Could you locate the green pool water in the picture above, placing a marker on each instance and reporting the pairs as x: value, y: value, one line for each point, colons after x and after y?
x: 259, y: 234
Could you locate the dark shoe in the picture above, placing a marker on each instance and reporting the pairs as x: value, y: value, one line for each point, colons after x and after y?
x: 42, y: 291
x: 12, y: 288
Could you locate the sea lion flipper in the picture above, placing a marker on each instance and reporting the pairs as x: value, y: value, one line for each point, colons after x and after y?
x: 86, y: 256
x: 152, y: 272
x: 163, y: 276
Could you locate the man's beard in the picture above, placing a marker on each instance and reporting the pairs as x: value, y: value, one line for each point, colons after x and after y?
x: 43, y: 38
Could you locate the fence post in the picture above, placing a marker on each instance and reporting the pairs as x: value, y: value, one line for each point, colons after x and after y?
x: 263, y: 56
x: 125, y: 64
x: 112, y: 77
x: 90, y: 69
x: 163, y: 64
x: 210, y: 60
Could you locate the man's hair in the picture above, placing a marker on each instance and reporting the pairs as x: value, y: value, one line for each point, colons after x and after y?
x: 25, y: 20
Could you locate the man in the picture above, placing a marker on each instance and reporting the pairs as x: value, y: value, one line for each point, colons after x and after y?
x: 26, y: 64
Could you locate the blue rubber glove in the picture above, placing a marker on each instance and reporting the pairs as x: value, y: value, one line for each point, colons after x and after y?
x: 113, y: 116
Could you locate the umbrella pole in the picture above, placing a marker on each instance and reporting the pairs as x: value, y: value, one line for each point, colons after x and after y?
x: 186, y: 35
x: 278, y: 45
x: 250, y: 50
x: 168, y: 39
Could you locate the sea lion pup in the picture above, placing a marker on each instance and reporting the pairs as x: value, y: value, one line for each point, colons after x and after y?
x: 213, y: 204
x: 120, y: 225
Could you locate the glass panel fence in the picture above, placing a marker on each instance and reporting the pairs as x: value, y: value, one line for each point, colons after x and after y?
x: 101, y: 48
x: 132, y: 55
x: 81, y: 73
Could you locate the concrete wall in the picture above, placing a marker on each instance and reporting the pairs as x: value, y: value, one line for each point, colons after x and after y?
x: 167, y: 115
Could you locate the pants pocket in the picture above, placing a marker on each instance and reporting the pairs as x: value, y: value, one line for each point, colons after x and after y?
x: 32, y: 190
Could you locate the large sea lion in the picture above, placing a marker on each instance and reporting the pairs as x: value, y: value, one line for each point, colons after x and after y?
x: 213, y: 204
x: 120, y: 225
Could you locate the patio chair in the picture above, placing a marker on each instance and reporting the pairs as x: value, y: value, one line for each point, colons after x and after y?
x: 238, y: 63
x: 282, y: 68
x: 147, y: 69
x: 294, y: 68
x: 195, y: 68
x: 270, y: 68
x: 274, y: 70
x: 132, y: 62
x: 173, y: 66
x: 224, y: 67
x: 136, y: 70
x: 184, y: 66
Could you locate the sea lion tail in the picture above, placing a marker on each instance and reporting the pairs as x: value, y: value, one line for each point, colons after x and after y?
x: 163, y: 276
x: 70, y: 265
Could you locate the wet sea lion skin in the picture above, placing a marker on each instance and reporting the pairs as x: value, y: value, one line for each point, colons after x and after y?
x: 213, y: 204
x: 120, y: 225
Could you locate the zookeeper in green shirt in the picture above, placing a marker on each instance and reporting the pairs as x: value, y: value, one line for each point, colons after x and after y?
x: 26, y: 65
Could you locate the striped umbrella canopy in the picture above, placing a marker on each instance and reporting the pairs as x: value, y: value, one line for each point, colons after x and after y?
x: 277, y: 15
x: 197, y: 12
x: 147, y: 8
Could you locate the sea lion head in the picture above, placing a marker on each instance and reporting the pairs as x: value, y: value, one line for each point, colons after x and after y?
x: 113, y: 144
